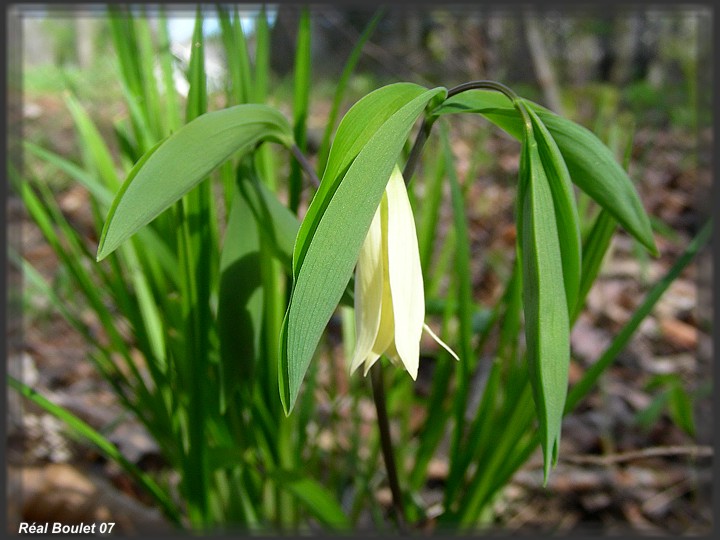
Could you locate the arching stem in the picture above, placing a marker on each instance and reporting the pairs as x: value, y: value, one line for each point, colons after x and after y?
x: 428, y: 122
x: 305, y: 164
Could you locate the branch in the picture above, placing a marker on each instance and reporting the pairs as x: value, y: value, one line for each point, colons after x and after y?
x: 658, y: 451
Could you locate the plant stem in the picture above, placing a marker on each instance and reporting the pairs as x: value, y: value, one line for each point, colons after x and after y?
x: 378, y: 387
x: 482, y: 85
x: 428, y: 122
x: 414, y: 156
x: 305, y: 164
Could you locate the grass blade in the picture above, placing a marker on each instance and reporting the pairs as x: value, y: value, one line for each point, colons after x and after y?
x: 583, y: 386
x: 171, y: 117
x: 321, y: 504
x: 342, y: 86
x: 262, y: 56
x: 237, y: 92
x: 151, y: 95
x: 301, y: 98
x: 462, y: 277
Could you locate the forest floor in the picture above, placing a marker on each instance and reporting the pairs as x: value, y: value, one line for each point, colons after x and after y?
x: 616, y: 473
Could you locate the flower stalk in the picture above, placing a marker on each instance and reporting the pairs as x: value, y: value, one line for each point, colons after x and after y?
x: 378, y: 387
x: 390, y: 309
x: 428, y: 121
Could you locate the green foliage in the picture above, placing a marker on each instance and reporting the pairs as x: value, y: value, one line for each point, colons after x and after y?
x: 545, y: 300
x: 670, y: 397
x: 601, y: 177
x: 171, y: 169
x: 228, y: 291
x: 660, y: 104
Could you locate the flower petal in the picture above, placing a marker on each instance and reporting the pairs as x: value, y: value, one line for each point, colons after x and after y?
x: 440, y: 342
x: 405, y: 273
x: 368, y: 293
x: 386, y: 328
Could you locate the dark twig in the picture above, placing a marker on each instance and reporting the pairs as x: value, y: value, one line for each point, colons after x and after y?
x: 645, y: 453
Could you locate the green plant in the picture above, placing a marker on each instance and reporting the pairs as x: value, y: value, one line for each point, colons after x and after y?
x: 671, y: 397
x: 228, y: 294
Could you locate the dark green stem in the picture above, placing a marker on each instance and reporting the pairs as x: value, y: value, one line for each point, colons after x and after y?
x: 482, y: 85
x: 305, y: 164
x: 414, y: 156
x: 428, y: 122
x: 378, y: 387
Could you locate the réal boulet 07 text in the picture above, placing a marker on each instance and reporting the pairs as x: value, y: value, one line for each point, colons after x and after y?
x: 61, y: 528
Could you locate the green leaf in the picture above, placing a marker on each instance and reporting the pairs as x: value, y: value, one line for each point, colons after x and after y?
x: 181, y: 161
x: 478, y: 101
x: 591, y: 164
x: 318, y: 500
x: 240, y: 298
x: 595, y: 170
x: 680, y: 408
x: 278, y: 225
x: 368, y: 144
x: 355, y: 130
x: 547, y: 328
x: 301, y: 102
x: 148, y: 238
x: 566, y: 214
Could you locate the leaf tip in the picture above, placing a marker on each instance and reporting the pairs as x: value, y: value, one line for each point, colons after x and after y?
x: 654, y: 251
x: 102, y: 250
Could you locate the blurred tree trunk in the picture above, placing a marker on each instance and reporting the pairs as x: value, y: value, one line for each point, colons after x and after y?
x: 398, y: 48
x: 625, y: 42
x: 283, y: 39
x: 85, y: 40
x: 61, y: 34
x: 541, y: 61
x: 334, y: 34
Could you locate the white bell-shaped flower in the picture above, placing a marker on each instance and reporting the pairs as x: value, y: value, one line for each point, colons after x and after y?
x: 389, y: 296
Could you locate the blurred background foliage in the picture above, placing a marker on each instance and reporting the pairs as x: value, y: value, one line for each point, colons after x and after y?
x: 650, y: 55
x: 648, y: 63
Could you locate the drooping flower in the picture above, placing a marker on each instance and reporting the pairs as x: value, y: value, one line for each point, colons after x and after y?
x: 389, y: 296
